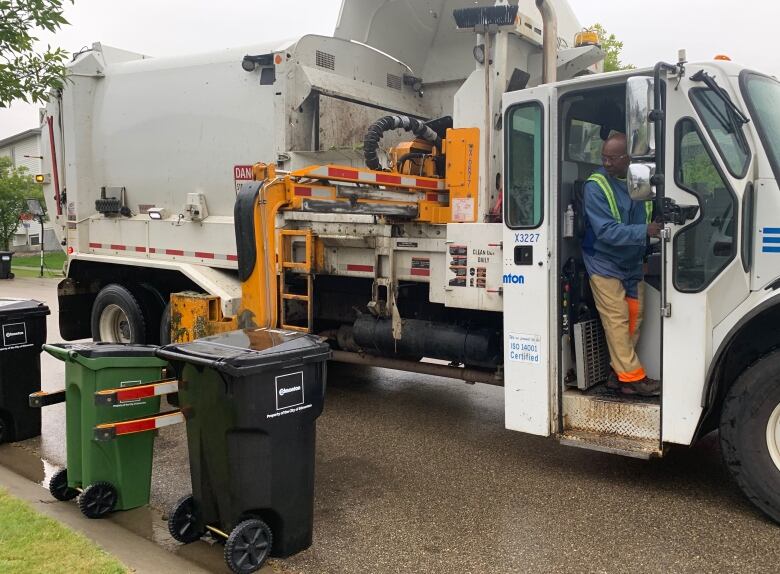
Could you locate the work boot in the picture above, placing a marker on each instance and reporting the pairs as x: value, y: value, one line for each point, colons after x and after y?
x: 612, y: 381
x: 646, y: 387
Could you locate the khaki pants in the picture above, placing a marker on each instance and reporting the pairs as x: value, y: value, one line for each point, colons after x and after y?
x: 621, y: 317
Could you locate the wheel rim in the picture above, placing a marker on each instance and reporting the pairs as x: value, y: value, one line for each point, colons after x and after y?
x: 186, y: 520
x: 59, y: 484
x: 250, y: 548
x: 114, y: 325
x: 101, y: 502
x: 773, y: 436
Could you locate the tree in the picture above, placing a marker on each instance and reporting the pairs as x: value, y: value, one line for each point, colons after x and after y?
x: 612, y: 47
x: 27, y: 74
x: 16, y: 185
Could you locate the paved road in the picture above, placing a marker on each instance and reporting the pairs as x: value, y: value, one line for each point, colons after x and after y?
x: 417, y: 474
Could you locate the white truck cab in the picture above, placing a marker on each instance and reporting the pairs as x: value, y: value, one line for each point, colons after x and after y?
x: 705, y: 144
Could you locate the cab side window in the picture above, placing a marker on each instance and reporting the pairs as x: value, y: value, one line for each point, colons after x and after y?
x: 523, y: 186
x: 724, y: 130
x: 704, y: 248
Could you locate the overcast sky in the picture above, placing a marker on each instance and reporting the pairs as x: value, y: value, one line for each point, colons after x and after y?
x: 650, y: 30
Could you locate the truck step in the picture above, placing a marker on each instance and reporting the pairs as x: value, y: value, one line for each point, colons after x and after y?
x: 613, y: 444
x: 603, y: 413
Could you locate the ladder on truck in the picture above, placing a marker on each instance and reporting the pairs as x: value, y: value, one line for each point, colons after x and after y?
x: 288, y: 267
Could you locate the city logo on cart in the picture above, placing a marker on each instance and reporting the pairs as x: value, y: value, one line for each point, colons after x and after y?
x: 289, y: 390
x: 513, y: 278
x: 14, y: 334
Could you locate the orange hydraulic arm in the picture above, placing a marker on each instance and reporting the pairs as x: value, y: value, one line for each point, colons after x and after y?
x: 343, y: 190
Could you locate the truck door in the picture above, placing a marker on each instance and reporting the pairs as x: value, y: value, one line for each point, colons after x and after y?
x: 707, y: 161
x: 527, y: 234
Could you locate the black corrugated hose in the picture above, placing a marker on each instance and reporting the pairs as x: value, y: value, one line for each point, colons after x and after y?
x: 387, y: 123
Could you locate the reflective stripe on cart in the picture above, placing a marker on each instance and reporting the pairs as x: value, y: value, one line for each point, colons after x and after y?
x: 129, y: 394
x: 110, y: 431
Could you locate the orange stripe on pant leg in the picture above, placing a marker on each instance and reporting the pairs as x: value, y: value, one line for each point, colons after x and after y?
x: 633, y: 314
x: 632, y: 376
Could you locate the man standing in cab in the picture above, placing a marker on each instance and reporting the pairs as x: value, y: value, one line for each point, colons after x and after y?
x: 617, y: 231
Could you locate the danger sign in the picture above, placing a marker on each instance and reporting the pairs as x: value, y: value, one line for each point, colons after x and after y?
x: 242, y: 172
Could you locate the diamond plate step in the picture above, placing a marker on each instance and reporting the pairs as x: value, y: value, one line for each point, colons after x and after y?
x: 613, y: 444
x: 604, y: 421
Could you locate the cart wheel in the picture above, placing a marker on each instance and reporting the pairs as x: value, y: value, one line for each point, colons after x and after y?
x: 58, y: 486
x: 182, y: 521
x: 97, y: 500
x: 5, y: 429
x: 248, y: 546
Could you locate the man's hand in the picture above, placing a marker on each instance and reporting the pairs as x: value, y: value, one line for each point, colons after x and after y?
x: 654, y: 229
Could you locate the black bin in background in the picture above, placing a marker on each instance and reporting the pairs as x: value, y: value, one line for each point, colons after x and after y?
x: 5, y: 264
x: 251, y: 399
x: 22, y: 334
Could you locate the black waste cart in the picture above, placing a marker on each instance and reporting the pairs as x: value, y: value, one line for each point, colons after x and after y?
x: 250, y: 399
x: 5, y: 264
x: 22, y: 334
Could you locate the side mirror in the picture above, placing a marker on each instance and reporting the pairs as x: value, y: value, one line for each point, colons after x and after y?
x: 638, y: 181
x: 640, y: 131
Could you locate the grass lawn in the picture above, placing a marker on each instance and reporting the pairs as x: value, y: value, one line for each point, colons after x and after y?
x: 30, y: 265
x: 31, y: 543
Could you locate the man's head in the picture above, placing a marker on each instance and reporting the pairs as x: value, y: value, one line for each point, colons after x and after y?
x: 614, y: 157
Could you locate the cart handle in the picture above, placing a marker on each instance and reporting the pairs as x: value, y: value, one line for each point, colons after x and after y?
x: 110, y: 431
x: 43, y: 399
x: 110, y: 397
x: 60, y: 353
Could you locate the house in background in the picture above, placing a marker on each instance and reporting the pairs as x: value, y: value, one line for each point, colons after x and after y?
x: 24, y: 149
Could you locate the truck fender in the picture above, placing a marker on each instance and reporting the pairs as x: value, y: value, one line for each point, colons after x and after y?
x: 745, y: 343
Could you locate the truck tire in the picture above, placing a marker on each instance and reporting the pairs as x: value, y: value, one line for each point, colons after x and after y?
x: 117, y: 316
x: 165, y: 325
x: 151, y: 304
x: 750, y: 433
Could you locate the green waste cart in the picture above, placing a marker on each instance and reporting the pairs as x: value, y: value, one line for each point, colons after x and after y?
x: 112, y: 472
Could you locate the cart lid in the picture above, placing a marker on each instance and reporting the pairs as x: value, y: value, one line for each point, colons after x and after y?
x: 243, y: 352
x: 18, y: 307
x: 106, y: 350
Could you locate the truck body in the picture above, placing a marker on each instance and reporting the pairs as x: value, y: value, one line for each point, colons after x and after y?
x: 177, y: 135
x: 460, y: 245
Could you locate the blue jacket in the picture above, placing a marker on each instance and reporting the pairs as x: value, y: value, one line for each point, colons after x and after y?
x: 613, y: 249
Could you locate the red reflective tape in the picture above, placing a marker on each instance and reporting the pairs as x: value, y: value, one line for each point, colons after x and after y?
x: 303, y: 191
x: 343, y: 173
x: 136, y: 426
x: 134, y: 394
x: 174, y: 252
x: 96, y: 245
x: 362, y: 268
x: 140, y: 249
x: 152, y: 250
x: 204, y: 255
x: 118, y: 247
x: 232, y: 257
x: 432, y: 196
x: 421, y: 272
x: 385, y: 178
x: 426, y: 183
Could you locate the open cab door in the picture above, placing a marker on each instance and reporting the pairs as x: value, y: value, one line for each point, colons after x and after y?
x: 527, y: 179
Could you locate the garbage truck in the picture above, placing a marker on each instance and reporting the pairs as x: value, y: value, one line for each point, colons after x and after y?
x: 142, y: 156
x: 455, y: 251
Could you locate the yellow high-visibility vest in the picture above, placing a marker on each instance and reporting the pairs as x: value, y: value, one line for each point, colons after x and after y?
x: 603, y: 183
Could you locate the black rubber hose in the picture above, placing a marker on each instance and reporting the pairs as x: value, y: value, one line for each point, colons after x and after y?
x: 387, y: 123
x: 399, y: 165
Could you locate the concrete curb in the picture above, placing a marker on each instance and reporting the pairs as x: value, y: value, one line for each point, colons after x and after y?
x: 137, y: 553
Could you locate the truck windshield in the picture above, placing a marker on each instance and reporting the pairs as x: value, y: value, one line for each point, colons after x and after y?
x: 762, y: 94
